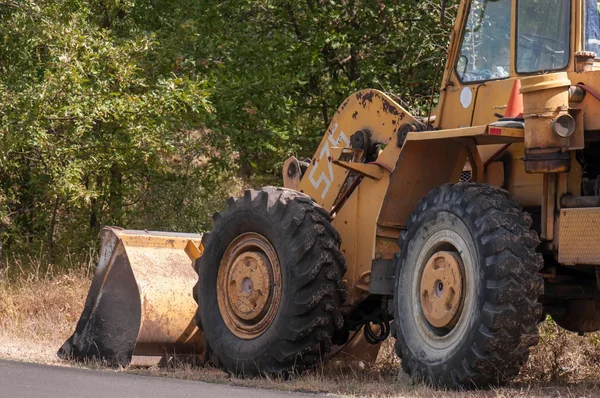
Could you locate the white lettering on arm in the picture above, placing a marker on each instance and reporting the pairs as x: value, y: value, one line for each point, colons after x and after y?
x: 324, y: 177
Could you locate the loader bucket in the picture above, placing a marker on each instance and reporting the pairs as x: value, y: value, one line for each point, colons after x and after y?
x: 140, y: 309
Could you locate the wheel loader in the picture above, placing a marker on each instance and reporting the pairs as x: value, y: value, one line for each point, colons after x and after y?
x: 455, y: 232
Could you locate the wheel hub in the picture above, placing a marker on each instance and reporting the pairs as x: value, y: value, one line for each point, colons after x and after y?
x: 249, y: 285
x: 441, y: 289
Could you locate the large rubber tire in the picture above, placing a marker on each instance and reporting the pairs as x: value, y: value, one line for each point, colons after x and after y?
x: 312, y: 292
x: 500, y: 309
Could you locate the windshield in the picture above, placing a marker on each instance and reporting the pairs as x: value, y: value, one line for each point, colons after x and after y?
x: 592, y: 26
x: 543, y: 28
x: 485, y: 49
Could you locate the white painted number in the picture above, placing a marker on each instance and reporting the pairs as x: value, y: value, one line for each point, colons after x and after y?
x: 324, y: 177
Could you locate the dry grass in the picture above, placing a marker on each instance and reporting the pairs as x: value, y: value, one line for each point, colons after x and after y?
x: 563, y: 357
x: 39, y: 309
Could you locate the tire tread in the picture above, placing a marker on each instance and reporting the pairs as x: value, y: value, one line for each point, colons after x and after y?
x: 316, y: 287
x: 509, y: 319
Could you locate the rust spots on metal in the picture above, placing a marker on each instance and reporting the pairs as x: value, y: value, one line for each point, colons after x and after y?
x: 366, y: 97
x: 547, y: 160
x: 341, y: 108
x: 390, y: 108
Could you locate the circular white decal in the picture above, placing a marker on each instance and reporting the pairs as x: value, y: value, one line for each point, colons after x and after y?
x: 466, y: 96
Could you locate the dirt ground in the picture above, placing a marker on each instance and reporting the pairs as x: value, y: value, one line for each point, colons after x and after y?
x: 39, y: 312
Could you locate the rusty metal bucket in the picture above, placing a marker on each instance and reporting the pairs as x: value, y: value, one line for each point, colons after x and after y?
x: 140, y: 309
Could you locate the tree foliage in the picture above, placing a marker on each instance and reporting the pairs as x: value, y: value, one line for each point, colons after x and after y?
x: 281, y: 68
x: 144, y: 113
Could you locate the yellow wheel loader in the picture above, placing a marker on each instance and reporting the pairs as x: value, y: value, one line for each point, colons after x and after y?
x: 455, y: 232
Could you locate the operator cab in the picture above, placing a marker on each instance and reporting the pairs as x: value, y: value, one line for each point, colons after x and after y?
x: 495, y: 42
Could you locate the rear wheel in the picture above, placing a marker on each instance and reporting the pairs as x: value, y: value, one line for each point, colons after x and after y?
x: 467, y: 287
x: 270, y: 284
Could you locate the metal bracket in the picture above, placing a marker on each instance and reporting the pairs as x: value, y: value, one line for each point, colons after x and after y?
x: 382, y: 277
x: 372, y: 171
x: 475, y: 161
x: 347, y: 154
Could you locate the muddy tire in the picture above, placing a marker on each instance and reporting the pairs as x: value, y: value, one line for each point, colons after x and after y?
x: 292, y: 252
x: 472, y: 326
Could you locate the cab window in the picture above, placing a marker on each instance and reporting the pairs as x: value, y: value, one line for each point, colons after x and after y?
x: 543, y: 28
x: 485, y: 48
x: 592, y: 26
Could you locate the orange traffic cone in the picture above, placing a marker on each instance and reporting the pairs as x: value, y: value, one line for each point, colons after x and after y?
x: 514, y: 108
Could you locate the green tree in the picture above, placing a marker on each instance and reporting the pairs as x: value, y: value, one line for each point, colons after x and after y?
x: 281, y: 68
x: 145, y: 113
x: 89, y: 116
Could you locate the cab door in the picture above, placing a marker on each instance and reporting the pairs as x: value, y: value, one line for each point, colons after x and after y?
x: 478, y: 80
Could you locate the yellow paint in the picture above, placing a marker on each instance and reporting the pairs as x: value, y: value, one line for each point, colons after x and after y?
x: 368, y: 109
x: 464, y: 123
x: 144, y: 281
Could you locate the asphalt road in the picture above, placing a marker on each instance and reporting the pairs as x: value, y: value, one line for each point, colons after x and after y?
x: 25, y: 380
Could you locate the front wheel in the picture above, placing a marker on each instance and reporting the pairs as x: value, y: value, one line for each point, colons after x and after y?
x: 466, y: 290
